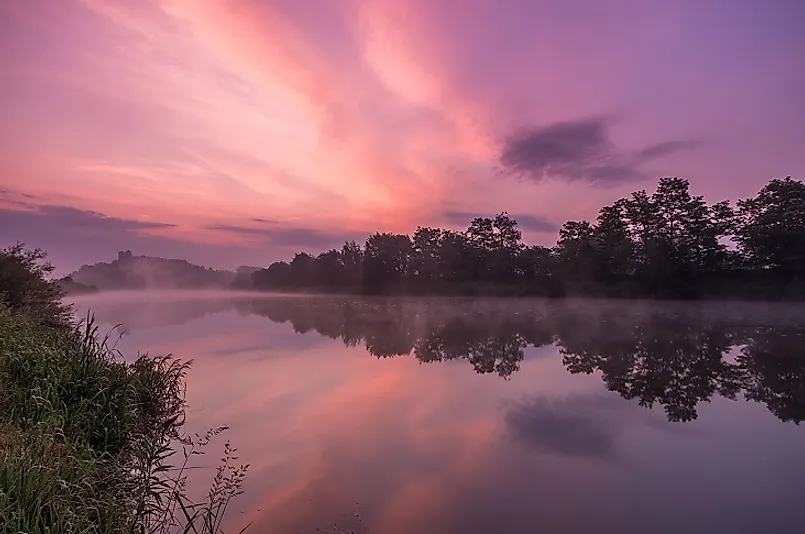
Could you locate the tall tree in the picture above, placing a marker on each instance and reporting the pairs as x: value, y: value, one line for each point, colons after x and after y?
x: 771, y: 227
x: 277, y: 276
x: 576, y: 256
x: 670, y: 243
x: 614, y: 246
x: 499, y: 240
x: 459, y: 260
x: 352, y: 260
x: 426, y: 255
x: 303, y: 270
x: 536, y: 270
x: 677, y: 238
x: 499, y: 232
x: 329, y: 269
x: 386, y: 259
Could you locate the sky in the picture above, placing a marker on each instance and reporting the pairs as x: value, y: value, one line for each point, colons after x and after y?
x: 231, y: 132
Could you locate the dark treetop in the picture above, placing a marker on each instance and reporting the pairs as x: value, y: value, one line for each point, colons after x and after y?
x: 669, y: 244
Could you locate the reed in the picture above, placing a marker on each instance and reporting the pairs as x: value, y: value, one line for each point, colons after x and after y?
x: 91, y: 441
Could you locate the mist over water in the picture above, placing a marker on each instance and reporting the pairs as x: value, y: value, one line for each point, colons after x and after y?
x: 464, y: 415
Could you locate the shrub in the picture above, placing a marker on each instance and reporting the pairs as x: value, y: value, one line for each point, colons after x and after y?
x: 86, y: 438
x: 25, y: 286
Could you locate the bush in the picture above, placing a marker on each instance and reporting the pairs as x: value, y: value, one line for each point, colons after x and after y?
x: 86, y: 438
x: 26, y: 288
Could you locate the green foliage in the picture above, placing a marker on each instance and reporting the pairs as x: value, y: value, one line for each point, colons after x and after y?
x: 49, y: 485
x: 668, y: 244
x: 61, y: 379
x: 86, y: 437
x: 25, y: 285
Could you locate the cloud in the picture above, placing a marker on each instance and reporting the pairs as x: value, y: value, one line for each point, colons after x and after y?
x: 70, y: 218
x: 8, y: 193
x: 579, y: 150
x: 245, y: 230
x: 279, y: 99
x: 73, y: 237
x: 18, y: 199
x: 575, y: 426
x: 221, y: 110
x: 535, y: 223
x: 281, y: 234
x: 526, y: 221
x: 663, y: 149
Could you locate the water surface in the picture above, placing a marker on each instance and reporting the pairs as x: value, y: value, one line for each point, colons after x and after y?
x: 475, y: 416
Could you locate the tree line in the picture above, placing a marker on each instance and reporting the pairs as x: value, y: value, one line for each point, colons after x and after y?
x: 669, y: 244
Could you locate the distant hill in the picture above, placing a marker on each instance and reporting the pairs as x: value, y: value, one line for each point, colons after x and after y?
x: 146, y: 272
x: 71, y: 287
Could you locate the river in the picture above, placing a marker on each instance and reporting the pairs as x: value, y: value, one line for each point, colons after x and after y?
x: 465, y: 416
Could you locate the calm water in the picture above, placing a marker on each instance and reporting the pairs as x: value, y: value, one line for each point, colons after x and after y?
x: 461, y: 416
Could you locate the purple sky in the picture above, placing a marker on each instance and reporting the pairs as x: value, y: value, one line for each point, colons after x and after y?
x: 240, y: 131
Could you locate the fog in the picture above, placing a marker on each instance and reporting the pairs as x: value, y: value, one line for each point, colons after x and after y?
x: 201, y: 302
x: 464, y: 415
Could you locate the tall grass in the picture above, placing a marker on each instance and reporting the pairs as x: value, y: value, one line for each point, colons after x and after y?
x: 88, y: 440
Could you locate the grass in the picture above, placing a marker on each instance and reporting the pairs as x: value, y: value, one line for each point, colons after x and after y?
x: 88, y: 440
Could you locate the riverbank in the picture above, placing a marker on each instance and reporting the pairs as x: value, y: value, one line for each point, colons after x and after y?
x: 88, y: 438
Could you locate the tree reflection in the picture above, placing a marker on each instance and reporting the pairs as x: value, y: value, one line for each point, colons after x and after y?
x: 657, y: 360
x: 490, y: 346
x: 492, y: 339
x: 774, y: 366
x: 672, y: 356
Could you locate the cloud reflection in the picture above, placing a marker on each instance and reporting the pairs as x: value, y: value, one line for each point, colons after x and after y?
x: 574, y: 426
x: 444, y: 449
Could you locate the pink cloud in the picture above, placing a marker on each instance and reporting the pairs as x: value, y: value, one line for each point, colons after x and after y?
x: 376, y: 114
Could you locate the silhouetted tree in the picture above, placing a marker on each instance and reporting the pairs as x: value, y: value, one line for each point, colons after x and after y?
x: 668, y: 244
x: 424, y: 268
x: 536, y: 270
x: 771, y: 231
x: 25, y: 285
x: 576, y: 253
x: 459, y: 260
x: 614, y: 249
x: 385, y: 262
x: 498, y: 241
x: 277, y: 276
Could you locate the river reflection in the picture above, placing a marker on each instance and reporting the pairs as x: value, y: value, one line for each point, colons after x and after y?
x: 675, y: 356
x: 494, y: 415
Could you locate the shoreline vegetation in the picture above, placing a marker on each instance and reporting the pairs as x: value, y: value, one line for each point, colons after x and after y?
x: 90, y: 441
x: 666, y: 245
